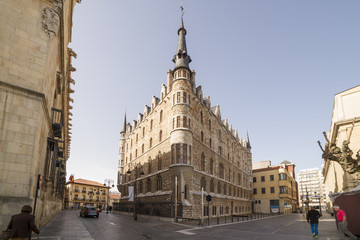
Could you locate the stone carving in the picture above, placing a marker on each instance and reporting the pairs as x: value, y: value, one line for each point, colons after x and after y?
x: 343, y: 156
x: 50, y: 21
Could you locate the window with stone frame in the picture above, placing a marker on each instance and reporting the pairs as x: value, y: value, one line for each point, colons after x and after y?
x: 271, y: 177
x: 224, y: 188
x: 254, y: 191
x: 212, y: 185
x: 229, y: 175
x: 143, y: 131
x: 174, y: 99
x: 272, y: 190
x: 150, y: 143
x: 184, y: 147
x: 151, y: 124
x: 202, y: 136
x: 209, y: 125
x: 178, y: 121
x: 184, y: 97
x: 189, y: 125
x: 220, y: 151
x: 201, y: 118
x: 173, y: 154
x: 142, y: 148
x: 184, y: 121
x: 210, y: 142
x: 178, y: 97
x: 221, y: 171
x: 203, y: 162
x: 262, y: 190
x: 161, y: 115
x: 219, y: 188
x: 203, y: 183
x: 149, y: 166
x: 214, y: 210
x: 137, y: 137
x: 136, y: 153
x: 160, y: 136
x: 262, y: 178
x: 148, y: 185
x: 159, y: 161
x: 158, y: 183
x: 173, y: 124
x: 211, y: 166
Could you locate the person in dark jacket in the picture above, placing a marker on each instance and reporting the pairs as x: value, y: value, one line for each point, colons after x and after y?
x: 313, y: 217
x: 22, y: 224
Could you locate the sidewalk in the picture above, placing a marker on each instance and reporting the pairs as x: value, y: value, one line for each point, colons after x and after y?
x: 64, y: 226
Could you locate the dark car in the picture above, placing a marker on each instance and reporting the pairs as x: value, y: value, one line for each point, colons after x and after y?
x: 89, y: 211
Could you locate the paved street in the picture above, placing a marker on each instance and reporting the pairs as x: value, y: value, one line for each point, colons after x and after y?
x: 68, y: 225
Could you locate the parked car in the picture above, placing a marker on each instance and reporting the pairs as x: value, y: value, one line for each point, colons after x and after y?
x: 89, y: 211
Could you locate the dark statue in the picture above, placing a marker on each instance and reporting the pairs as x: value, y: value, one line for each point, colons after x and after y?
x: 343, y: 156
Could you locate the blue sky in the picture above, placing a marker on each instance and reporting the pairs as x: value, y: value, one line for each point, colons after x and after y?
x: 272, y: 66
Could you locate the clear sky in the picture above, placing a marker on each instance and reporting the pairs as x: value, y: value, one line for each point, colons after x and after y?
x: 272, y: 66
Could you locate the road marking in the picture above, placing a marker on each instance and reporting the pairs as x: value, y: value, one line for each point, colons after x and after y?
x: 282, y: 227
x: 186, y: 232
x: 112, y: 223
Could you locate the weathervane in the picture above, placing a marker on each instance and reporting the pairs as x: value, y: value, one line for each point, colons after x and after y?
x: 182, y: 10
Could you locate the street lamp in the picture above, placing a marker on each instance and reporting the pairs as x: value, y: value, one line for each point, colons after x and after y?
x: 108, y: 182
x: 136, y: 177
x: 319, y: 201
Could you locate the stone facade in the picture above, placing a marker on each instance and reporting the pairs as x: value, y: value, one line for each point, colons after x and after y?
x: 181, y: 136
x: 35, y: 77
x: 274, y: 188
x: 345, y: 125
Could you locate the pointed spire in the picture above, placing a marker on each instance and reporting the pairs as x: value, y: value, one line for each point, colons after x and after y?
x: 248, y: 140
x: 124, y: 126
x: 181, y: 58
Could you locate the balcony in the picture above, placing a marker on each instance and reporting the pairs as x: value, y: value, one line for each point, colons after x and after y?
x: 61, y: 149
x: 57, y: 121
x: 83, y: 191
x: 91, y: 192
x: 76, y: 190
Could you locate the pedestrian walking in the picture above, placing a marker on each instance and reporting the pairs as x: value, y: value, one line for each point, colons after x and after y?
x: 342, y: 222
x: 313, y: 218
x: 21, y: 225
x: 110, y: 208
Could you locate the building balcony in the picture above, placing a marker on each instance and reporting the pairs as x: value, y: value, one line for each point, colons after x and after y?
x: 91, y: 192
x: 83, y: 191
x: 57, y: 121
x: 76, y: 190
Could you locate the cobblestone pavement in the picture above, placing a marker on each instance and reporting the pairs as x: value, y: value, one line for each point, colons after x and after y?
x: 68, y: 225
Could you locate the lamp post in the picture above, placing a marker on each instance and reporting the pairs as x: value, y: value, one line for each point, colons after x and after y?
x: 136, y: 177
x: 108, y: 182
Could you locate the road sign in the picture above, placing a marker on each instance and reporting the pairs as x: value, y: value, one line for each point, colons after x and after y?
x: 208, y: 198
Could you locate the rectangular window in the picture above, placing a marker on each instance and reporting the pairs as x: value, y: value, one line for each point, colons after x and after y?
x: 271, y: 177
x: 178, y: 121
x: 178, y: 159
x: 178, y: 97
x: 283, y: 189
x: 262, y: 190
x: 184, y: 153
x: 173, y: 123
x: 263, y: 178
x: 189, y: 154
x: 174, y: 99
x: 254, y: 191
x: 254, y: 179
x: 282, y: 176
x: 184, y: 121
x: 272, y: 189
x: 184, y: 97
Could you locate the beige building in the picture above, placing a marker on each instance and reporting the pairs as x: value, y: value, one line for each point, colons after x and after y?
x: 345, y: 125
x: 35, y: 96
x: 274, y: 188
x: 85, y: 192
x: 180, y: 145
x: 114, y: 199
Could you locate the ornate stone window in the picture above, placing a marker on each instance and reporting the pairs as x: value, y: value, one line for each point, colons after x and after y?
x: 160, y: 136
x: 203, y: 183
x: 148, y: 185
x: 158, y: 183
x: 203, y: 162
x: 161, y: 115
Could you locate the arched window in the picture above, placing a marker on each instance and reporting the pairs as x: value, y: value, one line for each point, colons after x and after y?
x: 150, y: 143
x: 149, y: 166
x: 211, y: 185
x: 203, y: 183
x: 221, y: 171
x: 151, y: 124
x: 158, y: 183
x: 202, y: 136
x: 148, y: 185
x: 211, y: 166
x: 201, y: 117
x: 160, y: 136
x: 203, y: 162
x: 159, y: 161
x: 161, y: 115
